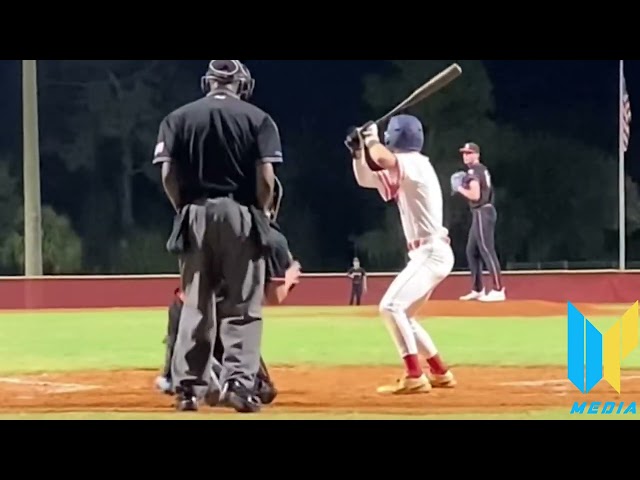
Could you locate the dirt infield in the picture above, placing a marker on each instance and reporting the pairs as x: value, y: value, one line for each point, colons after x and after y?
x: 328, y: 391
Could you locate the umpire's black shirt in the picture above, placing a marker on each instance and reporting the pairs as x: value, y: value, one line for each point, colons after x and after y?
x: 215, y: 142
x: 481, y: 174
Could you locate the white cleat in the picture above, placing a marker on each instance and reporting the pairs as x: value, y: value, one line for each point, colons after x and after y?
x: 494, y: 296
x: 472, y: 296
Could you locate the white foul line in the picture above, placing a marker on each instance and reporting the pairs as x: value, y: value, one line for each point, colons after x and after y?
x: 52, y: 387
x: 544, y: 383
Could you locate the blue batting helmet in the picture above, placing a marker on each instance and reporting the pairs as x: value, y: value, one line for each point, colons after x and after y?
x: 404, y: 133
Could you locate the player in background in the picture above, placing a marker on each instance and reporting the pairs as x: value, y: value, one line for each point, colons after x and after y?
x: 402, y: 174
x: 358, y: 276
x: 477, y: 189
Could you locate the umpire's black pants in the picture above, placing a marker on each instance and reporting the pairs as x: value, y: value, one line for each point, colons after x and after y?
x: 218, y: 351
x: 222, y: 253
x: 481, y: 247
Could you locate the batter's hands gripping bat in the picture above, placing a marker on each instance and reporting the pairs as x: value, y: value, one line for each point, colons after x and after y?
x: 434, y: 85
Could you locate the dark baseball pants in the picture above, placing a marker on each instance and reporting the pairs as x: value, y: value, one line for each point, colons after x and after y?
x: 481, y: 247
x: 261, y: 377
x: 218, y: 351
x: 356, y: 294
x: 222, y: 253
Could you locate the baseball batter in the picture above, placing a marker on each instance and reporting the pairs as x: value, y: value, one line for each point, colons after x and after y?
x: 402, y: 174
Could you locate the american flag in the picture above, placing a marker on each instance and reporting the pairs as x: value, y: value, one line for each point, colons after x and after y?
x: 625, y: 116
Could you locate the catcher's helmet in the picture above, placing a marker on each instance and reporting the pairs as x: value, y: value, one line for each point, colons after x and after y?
x: 404, y: 134
x: 227, y: 72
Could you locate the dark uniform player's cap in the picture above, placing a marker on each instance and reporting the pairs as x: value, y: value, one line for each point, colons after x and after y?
x: 470, y: 148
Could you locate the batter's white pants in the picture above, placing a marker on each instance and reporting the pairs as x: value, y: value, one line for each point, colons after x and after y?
x: 428, y: 266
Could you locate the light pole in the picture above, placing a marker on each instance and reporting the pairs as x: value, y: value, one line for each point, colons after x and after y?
x: 31, y: 171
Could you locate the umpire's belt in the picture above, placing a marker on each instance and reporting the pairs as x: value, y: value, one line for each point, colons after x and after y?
x: 260, y: 224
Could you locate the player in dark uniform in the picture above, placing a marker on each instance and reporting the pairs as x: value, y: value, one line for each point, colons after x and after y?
x: 217, y: 157
x: 477, y: 188
x: 358, y: 277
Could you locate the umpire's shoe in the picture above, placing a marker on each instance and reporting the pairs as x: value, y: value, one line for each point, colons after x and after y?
x: 266, y: 392
x: 239, y: 398
x: 186, y: 401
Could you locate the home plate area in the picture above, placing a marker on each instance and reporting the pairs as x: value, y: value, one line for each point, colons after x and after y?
x: 307, y: 389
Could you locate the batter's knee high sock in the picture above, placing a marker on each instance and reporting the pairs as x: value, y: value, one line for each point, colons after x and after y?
x: 428, y: 349
x: 405, y: 340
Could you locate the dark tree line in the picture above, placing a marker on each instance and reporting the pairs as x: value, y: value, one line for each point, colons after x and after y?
x: 105, y: 211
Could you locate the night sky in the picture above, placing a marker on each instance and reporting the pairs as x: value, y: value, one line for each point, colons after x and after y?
x: 529, y: 94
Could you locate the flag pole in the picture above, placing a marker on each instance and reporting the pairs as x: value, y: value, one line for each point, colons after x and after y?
x: 621, y: 174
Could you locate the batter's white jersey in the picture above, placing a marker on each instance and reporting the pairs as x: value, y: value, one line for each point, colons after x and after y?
x: 416, y: 189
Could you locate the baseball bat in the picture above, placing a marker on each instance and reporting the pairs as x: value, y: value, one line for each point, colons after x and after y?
x: 433, y: 85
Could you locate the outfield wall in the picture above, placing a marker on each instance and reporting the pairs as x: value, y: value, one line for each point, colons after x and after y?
x: 323, y: 290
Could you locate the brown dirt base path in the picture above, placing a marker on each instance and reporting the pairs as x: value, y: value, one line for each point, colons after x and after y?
x: 318, y: 390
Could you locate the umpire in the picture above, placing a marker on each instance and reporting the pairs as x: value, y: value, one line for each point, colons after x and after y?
x: 476, y: 186
x: 217, y: 157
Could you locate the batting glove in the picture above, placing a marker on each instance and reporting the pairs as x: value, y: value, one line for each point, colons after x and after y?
x: 353, y: 140
x: 370, y: 134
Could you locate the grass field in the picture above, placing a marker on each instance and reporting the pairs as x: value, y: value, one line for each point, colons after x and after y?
x: 328, y: 342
